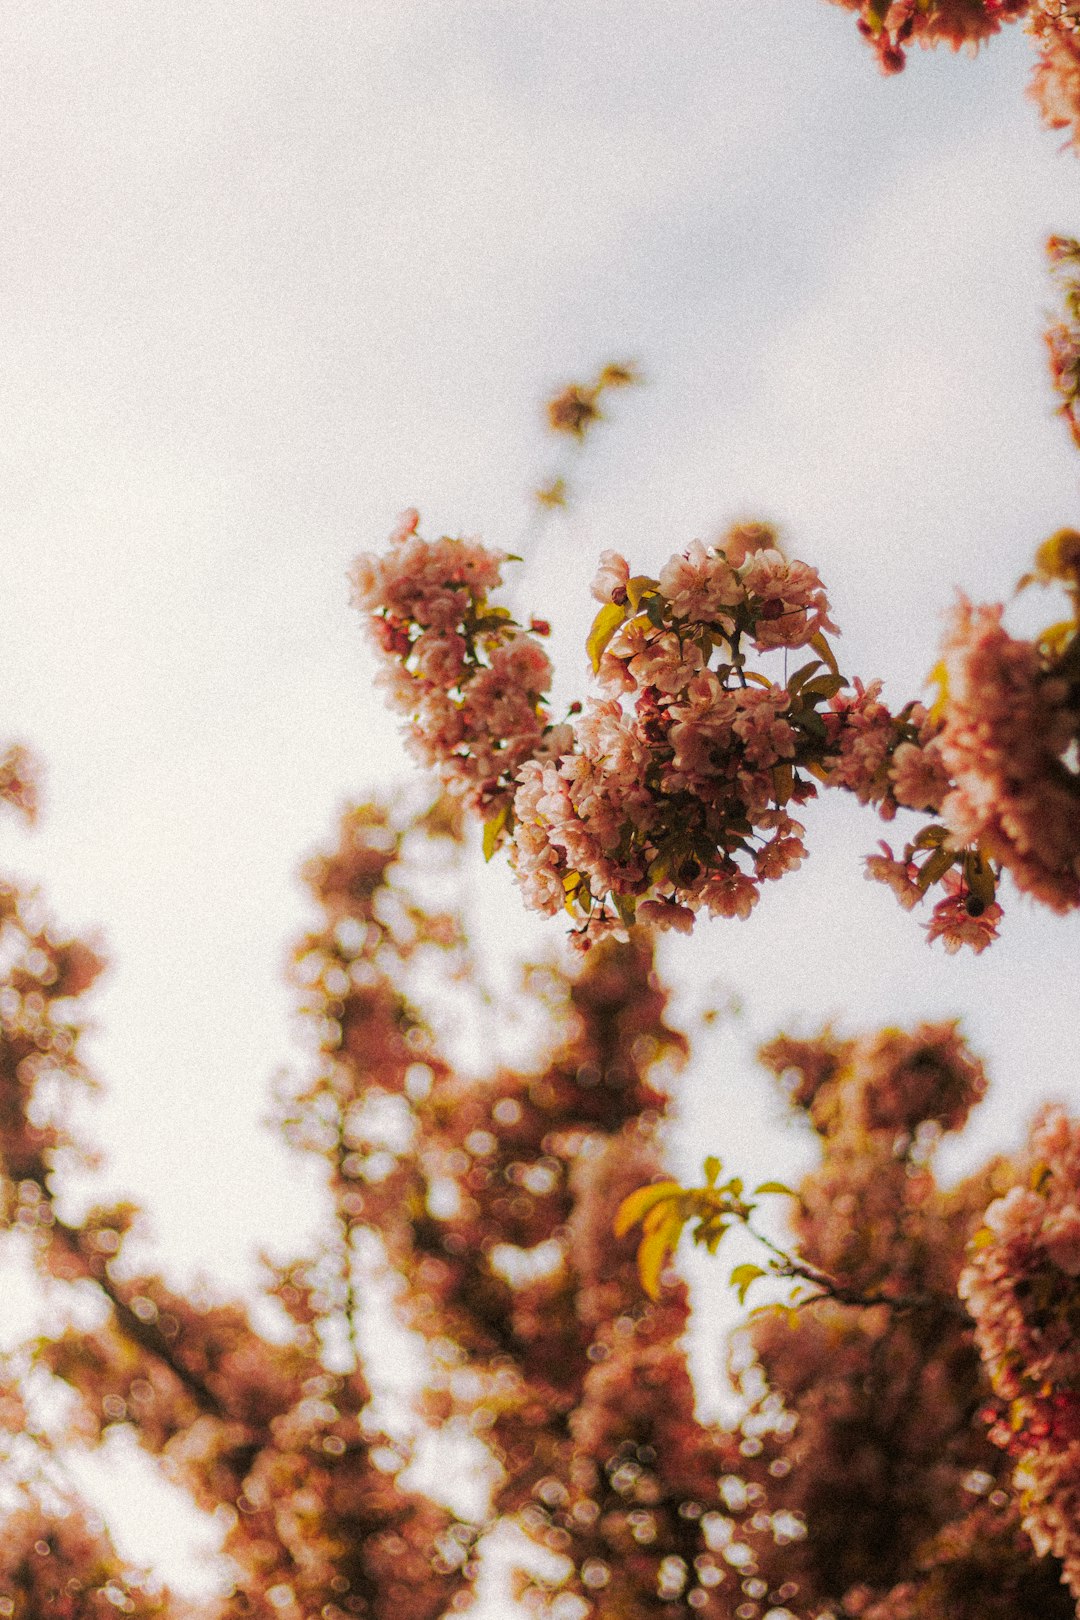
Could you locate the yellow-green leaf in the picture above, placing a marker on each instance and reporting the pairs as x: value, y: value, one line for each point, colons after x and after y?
x: 637, y: 1205
x: 822, y: 648
x: 1059, y: 557
x: 1056, y: 637
x: 775, y: 1187
x: 655, y: 1249
x: 492, y: 829
x: 604, y: 626
x: 939, y: 677
x: 743, y: 1276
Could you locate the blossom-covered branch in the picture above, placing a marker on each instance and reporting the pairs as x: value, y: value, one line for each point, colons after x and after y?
x: 891, y: 26
x: 671, y: 791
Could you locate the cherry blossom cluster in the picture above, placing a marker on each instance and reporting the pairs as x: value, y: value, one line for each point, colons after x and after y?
x: 1063, y: 338
x: 672, y: 790
x: 1055, y: 83
x: 1023, y: 1289
x: 1010, y: 729
x: 19, y: 780
x: 890, y: 27
x: 674, y: 797
x: 471, y: 681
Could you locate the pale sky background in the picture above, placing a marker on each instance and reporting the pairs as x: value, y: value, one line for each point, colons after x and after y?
x: 271, y: 272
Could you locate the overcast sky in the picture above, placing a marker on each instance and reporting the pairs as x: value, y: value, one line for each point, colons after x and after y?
x: 270, y: 272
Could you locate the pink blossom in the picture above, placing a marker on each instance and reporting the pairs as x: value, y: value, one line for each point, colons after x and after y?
x: 666, y: 914
x: 665, y: 662
x: 919, y: 777
x: 522, y: 662
x: 785, y: 852
x: 864, y: 733
x: 793, y: 604
x: 439, y: 657
x: 698, y: 584
x: 407, y: 524
x: 610, y: 580
x: 760, y: 723
x: 730, y: 893
x: 898, y: 875
x: 953, y: 922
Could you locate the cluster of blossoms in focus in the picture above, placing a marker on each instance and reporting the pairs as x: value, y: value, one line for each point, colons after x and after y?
x: 672, y: 789
x: 470, y: 679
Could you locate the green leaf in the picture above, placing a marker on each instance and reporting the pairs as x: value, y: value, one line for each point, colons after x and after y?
x: 638, y: 588
x: 743, y: 1276
x: 637, y: 1205
x: 775, y: 1187
x: 801, y: 675
x: 712, y: 1168
x: 935, y: 867
x: 604, y: 626
x: 824, y: 686
x: 979, y: 875
x: 493, y: 829
x: 783, y: 782
x: 654, y: 611
x: 811, y: 723
x: 626, y: 906
x: 660, y: 866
